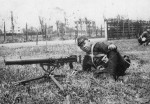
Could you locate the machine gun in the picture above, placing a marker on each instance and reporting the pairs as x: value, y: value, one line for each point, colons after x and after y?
x: 51, y: 64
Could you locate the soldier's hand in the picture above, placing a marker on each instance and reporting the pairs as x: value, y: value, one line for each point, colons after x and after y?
x: 100, y: 67
x: 105, y: 59
x: 143, y: 39
x: 112, y: 47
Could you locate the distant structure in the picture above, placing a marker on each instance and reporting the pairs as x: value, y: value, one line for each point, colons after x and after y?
x: 117, y: 28
x: 85, y: 27
x: 17, y: 30
x: 49, y: 29
x: 12, y: 27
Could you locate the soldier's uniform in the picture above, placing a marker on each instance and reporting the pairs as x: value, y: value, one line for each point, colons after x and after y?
x: 144, y: 38
x: 116, y: 65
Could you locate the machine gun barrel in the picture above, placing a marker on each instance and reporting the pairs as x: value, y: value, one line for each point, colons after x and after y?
x: 26, y: 61
x: 70, y: 59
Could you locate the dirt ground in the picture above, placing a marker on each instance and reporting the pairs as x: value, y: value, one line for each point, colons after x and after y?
x: 83, y: 88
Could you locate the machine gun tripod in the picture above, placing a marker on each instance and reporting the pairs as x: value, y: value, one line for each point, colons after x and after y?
x: 51, y: 65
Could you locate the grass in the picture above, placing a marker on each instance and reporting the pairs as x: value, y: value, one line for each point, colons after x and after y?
x: 82, y: 88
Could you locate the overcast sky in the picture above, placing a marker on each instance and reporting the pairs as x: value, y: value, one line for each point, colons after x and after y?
x: 29, y: 10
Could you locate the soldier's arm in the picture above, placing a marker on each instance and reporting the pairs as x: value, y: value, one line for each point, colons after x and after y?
x: 144, y: 34
x: 105, y: 47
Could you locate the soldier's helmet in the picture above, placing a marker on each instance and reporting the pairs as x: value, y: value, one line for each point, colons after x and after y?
x: 81, y: 39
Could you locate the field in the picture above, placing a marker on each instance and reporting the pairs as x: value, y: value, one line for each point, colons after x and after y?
x: 82, y: 88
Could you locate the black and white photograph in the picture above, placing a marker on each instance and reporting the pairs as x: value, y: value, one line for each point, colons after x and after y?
x: 75, y: 52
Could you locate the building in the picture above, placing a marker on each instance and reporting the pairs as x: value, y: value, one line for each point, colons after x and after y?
x: 85, y: 26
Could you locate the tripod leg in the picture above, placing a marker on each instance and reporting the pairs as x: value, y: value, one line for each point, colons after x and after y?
x: 56, y: 82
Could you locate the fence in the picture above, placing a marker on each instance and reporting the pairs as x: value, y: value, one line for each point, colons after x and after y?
x: 117, y: 28
x: 18, y: 38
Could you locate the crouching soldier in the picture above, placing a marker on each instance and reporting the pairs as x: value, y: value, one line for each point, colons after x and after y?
x: 96, y: 57
x: 144, y: 38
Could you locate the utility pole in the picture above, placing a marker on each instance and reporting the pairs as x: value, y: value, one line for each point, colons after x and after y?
x: 26, y: 32
x: 37, y: 38
x: 46, y: 35
x: 80, y: 25
x: 101, y: 31
x: 76, y: 31
x: 96, y: 31
x: 4, y: 33
x: 45, y: 31
x: 12, y: 24
x: 65, y: 25
x: 57, y: 25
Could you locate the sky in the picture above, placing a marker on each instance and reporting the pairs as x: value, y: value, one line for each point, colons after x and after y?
x: 28, y: 11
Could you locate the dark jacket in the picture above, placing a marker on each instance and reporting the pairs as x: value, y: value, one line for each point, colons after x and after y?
x: 99, y: 48
x: 115, y: 66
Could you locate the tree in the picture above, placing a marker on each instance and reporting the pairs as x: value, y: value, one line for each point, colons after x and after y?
x: 86, y: 23
x: 4, y: 32
x: 42, y: 25
x: 57, y: 26
x: 62, y: 30
x: 80, y: 22
x: 12, y: 24
x: 26, y: 32
x: 89, y: 28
